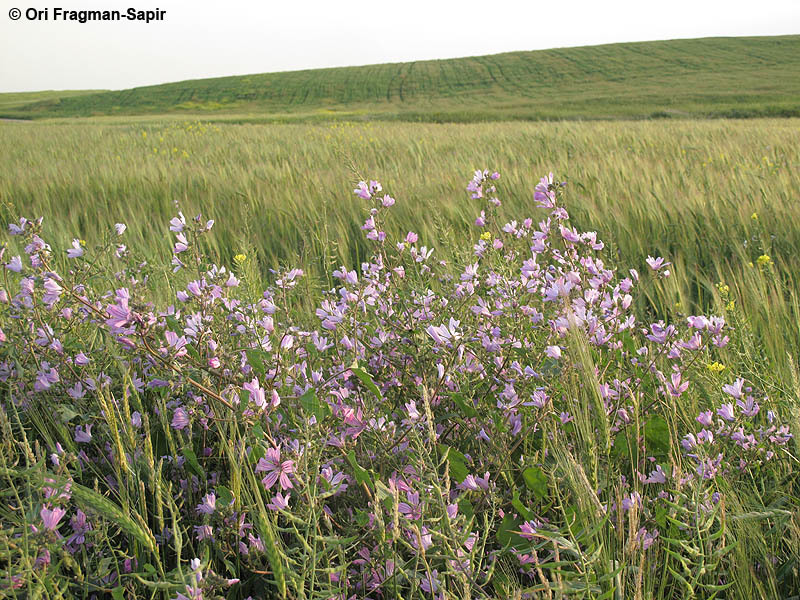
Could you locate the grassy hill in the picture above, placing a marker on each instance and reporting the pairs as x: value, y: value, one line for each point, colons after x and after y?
x: 756, y: 76
x: 15, y: 100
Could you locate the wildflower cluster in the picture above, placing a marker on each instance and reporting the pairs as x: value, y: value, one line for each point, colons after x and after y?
x: 431, y: 431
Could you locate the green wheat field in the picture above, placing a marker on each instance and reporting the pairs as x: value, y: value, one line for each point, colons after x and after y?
x: 712, y: 196
x: 688, y: 150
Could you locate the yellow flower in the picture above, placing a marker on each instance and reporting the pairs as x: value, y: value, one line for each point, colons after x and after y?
x: 731, y: 305
x: 763, y: 260
x: 83, y: 242
x: 239, y: 258
x: 715, y: 367
x: 754, y: 216
x: 486, y: 236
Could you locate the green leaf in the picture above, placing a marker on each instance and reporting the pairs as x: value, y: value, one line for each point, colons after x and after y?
x: 66, y: 413
x: 384, y: 495
x: 523, y: 510
x: 456, y: 460
x: 465, y: 405
x: 256, y: 454
x: 502, y: 585
x: 118, y: 593
x: 174, y: 324
x: 661, y: 517
x: 20, y: 370
x: 273, y: 546
x: 465, y: 507
x: 656, y: 435
x: 506, y: 535
x: 536, y: 481
x: 232, y: 570
x: 313, y: 406
x: 366, y: 379
x: 628, y: 343
x: 224, y: 495
x: 361, y: 474
x: 621, y: 446
x: 191, y: 460
x: 256, y: 359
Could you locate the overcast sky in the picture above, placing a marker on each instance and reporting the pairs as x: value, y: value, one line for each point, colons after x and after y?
x: 231, y: 37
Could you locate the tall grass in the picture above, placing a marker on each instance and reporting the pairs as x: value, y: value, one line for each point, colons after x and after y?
x: 488, y: 449
x: 685, y: 190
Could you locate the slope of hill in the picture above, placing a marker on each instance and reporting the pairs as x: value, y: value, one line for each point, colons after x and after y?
x: 15, y: 100
x: 701, y: 77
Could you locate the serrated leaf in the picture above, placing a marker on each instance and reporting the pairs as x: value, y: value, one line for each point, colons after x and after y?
x: 465, y: 508
x: 230, y: 567
x: 192, y: 351
x: 661, y: 517
x: 384, y: 495
x: 362, y: 518
x: 628, y: 343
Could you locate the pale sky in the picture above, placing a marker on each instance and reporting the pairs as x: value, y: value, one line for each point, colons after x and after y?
x: 198, y: 38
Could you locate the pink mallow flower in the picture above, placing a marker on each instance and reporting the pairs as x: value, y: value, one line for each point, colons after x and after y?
x: 208, y: 505
x: 734, y: 389
x: 279, y: 502
x: 726, y: 412
x: 474, y: 484
x: 275, y: 469
x: 180, y: 419
x: 51, y: 517
x: 83, y: 435
x: 76, y: 251
x: 657, y: 476
x: 656, y: 263
x: 15, y: 264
